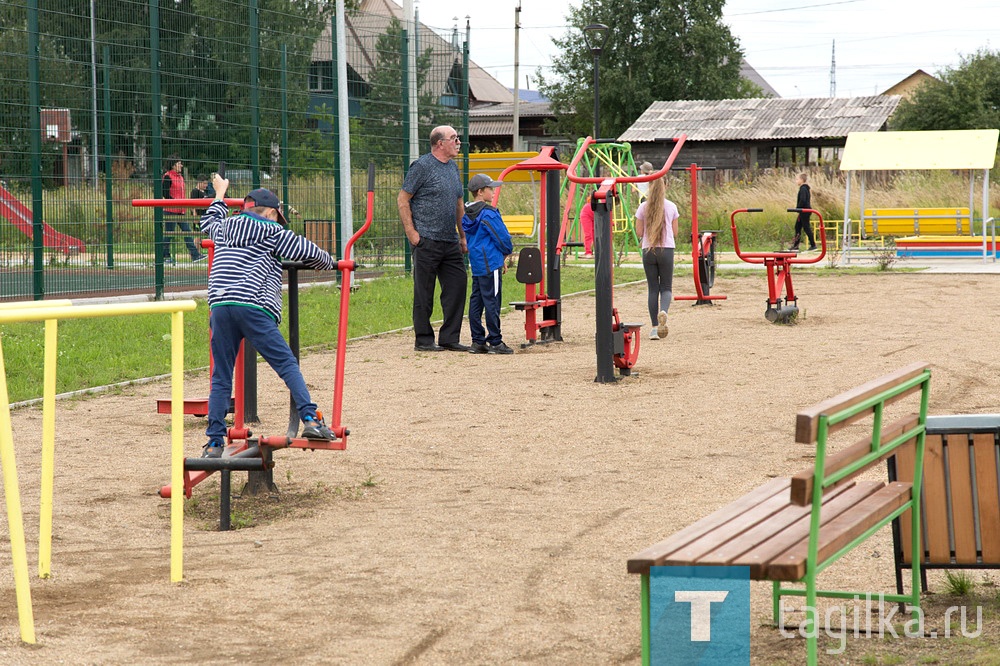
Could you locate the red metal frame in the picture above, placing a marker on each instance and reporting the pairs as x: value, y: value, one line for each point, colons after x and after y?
x: 536, y: 296
x: 779, y: 264
x: 701, y: 244
x: 626, y: 359
x: 239, y: 435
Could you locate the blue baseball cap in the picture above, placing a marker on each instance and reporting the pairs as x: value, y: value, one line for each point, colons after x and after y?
x: 265, y: 197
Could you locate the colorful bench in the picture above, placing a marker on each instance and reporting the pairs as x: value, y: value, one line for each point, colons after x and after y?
x: 791, y: 529
x: 915, y: 222
x: 961, y: 501
x: 520, y: 225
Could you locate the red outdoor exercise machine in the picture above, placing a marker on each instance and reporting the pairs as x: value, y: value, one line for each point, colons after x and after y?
x: 243, y: 451
x: 702, y: 249
x: 779, y: 268
x: 617, y: 342
x: 538, y: 266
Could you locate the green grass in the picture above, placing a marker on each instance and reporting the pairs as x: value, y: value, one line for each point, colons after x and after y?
x: 98, y: 352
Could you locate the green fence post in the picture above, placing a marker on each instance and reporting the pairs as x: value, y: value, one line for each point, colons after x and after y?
x: 255, y: 95
x: 109, y: 213
x: 157, y: 144
x: 284, y: 127
x: 465, y: 104
x: 34, y: 96
x: 404, y: 58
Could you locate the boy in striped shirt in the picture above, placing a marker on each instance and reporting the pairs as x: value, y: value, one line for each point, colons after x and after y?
x: 244, y: 295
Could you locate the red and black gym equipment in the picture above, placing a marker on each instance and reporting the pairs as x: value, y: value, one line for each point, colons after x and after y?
x: 779, y: 268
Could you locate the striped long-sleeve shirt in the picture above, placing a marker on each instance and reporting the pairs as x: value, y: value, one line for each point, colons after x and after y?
x: 246, y: 269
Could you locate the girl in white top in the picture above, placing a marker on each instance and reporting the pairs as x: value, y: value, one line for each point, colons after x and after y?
x: 656, y: 221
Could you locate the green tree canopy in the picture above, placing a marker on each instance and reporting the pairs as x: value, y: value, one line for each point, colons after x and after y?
x: 657, y: 50
x: 966, y: 97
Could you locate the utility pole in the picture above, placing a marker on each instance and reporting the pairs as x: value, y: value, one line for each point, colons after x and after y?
x: 833, y: 70
x: 516, y: 141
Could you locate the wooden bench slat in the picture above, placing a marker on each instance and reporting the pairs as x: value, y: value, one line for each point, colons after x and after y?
x: 962, y: 516
x: 726, y: 553
x: 768, y: 515
x: 935, y: 507
x: 904, y: 472
x: 807, y: 420
x: 803, y: 482
x: 759, y: 556
x: 652, y: 556
x: 840, y: 531
x: 988, y: 495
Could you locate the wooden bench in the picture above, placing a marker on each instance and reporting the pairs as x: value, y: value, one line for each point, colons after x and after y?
x: 961, y: 502
x: 878, y: 222
x: 791, y: 529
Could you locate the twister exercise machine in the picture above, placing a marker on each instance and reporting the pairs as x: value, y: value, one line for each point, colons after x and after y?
x: 617, y: 342
x: 779, y: 268
x: 538, y: 266
x: 702, y: 248
x: 243, y: 451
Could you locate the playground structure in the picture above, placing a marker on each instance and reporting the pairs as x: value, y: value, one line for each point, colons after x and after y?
x: 616, y: 160
x: 243, y: 451
x: 51, y: 312
x: 779, y: 268
x: 15, y: 212
x: 617, y: 342
x: 969, y: 150
x: 702, y: 249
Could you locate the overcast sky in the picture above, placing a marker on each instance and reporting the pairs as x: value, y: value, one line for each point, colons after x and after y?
x: 789, y: 42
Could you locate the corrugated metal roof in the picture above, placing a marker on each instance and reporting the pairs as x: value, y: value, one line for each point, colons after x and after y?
x: 762, y: 119
x: 372, y: 20
x: 505, y: 110
x: 480, y: 128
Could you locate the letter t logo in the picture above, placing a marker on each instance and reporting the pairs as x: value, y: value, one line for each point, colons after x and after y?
x: 701, y: 613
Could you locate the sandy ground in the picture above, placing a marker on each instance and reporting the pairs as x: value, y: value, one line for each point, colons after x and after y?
x: 486, y: 505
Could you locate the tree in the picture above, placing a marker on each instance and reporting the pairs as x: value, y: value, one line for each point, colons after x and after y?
x: 966, y: 97
x: 657, y: 50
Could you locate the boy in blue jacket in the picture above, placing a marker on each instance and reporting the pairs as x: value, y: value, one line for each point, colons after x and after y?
x: 489, y: 245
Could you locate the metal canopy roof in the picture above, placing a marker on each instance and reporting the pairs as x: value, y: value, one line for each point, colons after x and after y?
x: 945, y: 149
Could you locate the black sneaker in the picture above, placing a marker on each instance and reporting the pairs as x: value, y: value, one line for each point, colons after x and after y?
x: 501, y: 349
x: 479, y: 348
x: 316, y: 429
x: 812, y: 248
x: 212, y: 450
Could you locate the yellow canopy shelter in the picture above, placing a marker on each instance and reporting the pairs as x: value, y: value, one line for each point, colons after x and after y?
x: 940, y: 149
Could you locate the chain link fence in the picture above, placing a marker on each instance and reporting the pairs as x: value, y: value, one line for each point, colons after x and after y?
x: 99, y: 100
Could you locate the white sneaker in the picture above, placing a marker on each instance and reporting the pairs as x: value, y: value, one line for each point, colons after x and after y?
x: 661, y: 328
x: 653, y: 335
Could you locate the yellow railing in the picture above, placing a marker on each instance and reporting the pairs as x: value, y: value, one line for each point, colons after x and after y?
x: 51, y: 312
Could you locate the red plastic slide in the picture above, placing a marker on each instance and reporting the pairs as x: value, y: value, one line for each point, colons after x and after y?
x: 20, y: 216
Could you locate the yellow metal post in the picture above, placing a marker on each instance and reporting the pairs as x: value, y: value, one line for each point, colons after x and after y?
x: 15, y: 521
x: 48, y: 449
x: 177, y: 447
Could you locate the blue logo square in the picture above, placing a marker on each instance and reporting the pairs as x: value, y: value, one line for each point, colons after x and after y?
x: 699, y: 615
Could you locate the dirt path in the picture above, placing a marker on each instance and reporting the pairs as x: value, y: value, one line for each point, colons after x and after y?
x: 486, y: 505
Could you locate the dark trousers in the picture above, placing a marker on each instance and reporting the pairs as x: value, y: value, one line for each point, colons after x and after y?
x: 802, y: 225
x: 168, y: 225
x: 230, y: 324
x: 486, y: 296
x: 438, y: 261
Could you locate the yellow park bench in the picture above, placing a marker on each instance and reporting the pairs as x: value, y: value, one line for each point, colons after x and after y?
x: 878, y: 222
x: 520, y: 225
